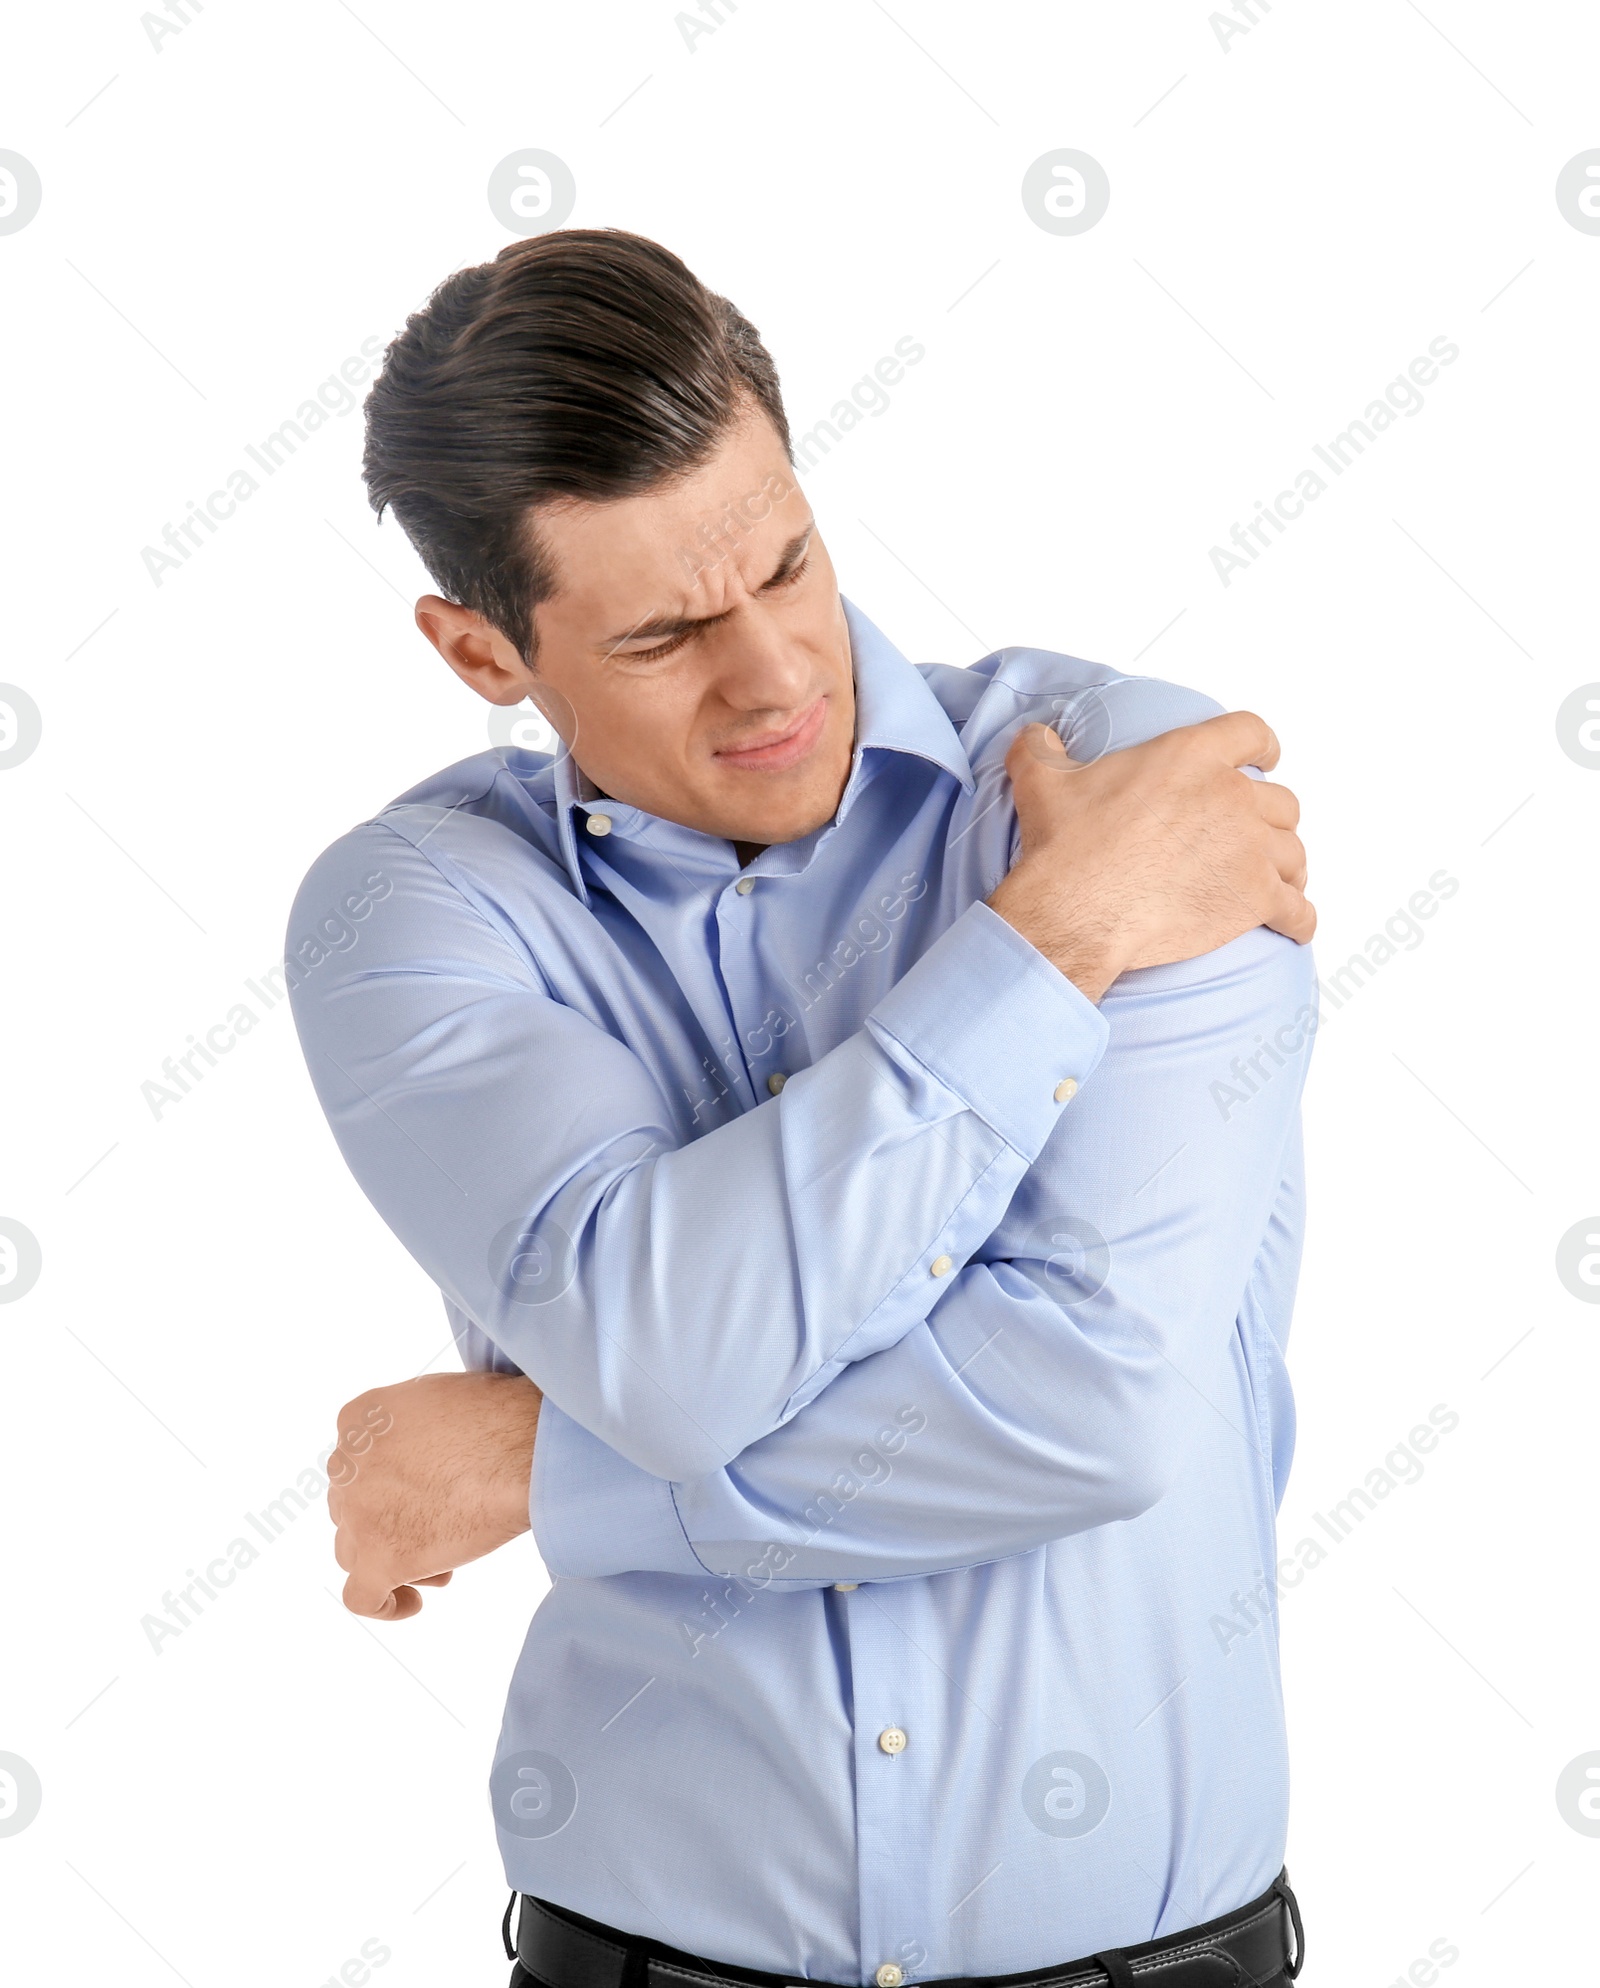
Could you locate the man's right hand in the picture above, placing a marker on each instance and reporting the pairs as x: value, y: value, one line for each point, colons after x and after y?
x: 1153, y: 854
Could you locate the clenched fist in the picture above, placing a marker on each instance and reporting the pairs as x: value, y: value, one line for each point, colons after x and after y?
x: 428, y: 1474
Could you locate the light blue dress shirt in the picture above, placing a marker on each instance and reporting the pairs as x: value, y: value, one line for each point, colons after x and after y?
x: 911, y: 1332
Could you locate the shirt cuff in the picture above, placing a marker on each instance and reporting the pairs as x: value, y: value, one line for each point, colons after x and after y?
x: 595, y: 1513
x: 986, y: 1013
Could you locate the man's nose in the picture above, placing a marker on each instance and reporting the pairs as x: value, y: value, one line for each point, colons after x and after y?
x: 760, y: 668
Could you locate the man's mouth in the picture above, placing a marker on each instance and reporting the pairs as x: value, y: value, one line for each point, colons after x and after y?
x: 775, y: 752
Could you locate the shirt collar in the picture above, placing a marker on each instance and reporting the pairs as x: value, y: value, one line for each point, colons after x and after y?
x: 896, y: 711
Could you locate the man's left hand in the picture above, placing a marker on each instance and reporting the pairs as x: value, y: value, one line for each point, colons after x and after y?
x: 428, y: 1474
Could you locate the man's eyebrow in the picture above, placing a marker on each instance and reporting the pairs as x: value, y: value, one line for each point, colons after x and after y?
x: 664, y: 628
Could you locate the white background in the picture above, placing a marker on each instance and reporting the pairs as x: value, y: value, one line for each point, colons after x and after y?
x: 1292, y: 220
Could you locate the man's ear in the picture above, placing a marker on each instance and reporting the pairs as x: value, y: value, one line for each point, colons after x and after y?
x: 476, y: 650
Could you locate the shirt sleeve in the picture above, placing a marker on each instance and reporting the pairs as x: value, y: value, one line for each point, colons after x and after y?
x: 1057, y: 1383
x: 675, y: 1298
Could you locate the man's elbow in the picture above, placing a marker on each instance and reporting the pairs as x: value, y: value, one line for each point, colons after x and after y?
x: 1131, y: 1465
x: 1130, y: 1479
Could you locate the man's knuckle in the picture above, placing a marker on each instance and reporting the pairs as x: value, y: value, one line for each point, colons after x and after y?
x: 351, y: 1415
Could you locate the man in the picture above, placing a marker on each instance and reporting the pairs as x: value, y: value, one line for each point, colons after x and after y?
x: 851, y: 1111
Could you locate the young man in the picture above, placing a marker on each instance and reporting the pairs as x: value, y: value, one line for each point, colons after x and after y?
x: 851, y: 1111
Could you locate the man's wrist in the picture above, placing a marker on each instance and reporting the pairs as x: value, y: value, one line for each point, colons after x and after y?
x: 1088, y: 958
x: 513, y: 1477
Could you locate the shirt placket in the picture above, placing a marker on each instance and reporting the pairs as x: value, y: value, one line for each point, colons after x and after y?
x: 763, y: 1017
x: 898, y: 1789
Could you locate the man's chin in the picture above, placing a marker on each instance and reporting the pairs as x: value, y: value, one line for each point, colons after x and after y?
x: 775, y: 816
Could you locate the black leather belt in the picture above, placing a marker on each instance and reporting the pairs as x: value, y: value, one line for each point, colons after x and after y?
x: 1251, y: 1947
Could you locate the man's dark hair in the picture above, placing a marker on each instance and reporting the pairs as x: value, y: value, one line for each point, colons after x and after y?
x: 584, y: 363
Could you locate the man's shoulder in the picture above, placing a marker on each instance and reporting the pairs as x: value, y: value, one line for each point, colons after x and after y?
x: 492, y: 793
x: 472, y: 825
x: 505, y: 784
x: 1096, y: 707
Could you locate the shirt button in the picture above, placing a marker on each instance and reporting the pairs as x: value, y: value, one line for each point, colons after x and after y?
x: 892, y: 1740
x: 890, y: 1975
x: 942, y: 1266
x: 599, y: 824
x: 776, y: 1082
x: 745, y: 885
x: 1067, y: 1088
x: 845, y: 1587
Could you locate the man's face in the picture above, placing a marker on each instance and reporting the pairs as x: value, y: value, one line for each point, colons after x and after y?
x: 695, y: 656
